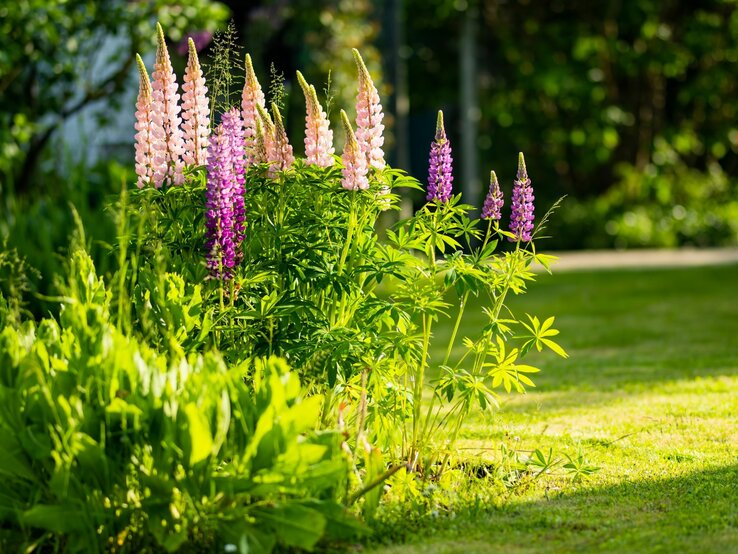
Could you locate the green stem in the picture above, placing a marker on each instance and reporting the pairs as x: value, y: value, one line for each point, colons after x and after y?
x: 454, y: 436
x: 419, y: 379
x: 451, y: 343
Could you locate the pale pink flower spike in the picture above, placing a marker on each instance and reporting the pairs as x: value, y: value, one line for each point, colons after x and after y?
x: 251, y: 97
x: 168, y: 140
x: 354, y: 162
x: 369, y: 115
x: 318, y: 135
x: 143, y: 126
x: 195, y: 111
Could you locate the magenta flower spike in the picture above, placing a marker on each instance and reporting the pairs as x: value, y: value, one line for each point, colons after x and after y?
x: 195, y: 111
x: 492, y: 208
x: 440, y: 171
x: 369, y: 117
x: 144, y: 131
x: 318, y: 135
x: 168, y: 143
x: 251, y: 97
x: 522, y: 216
x: 224, y: 206
x: 354, y: 162
x: 282, y: 147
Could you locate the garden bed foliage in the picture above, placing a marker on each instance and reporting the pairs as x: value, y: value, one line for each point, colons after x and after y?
x: 254, y: 370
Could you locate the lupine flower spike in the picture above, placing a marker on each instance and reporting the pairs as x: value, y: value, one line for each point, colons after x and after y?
x: 522, y: 216
x: 282, y: 146
x: 369, y: 117
x: 195, y: 111
x: 318, y: 134
x: 252, y: 97
x: 354, y: 162
x: 440, y: 176
x: 168, y: 144
x: 143, y: 126
x: 494, y: 201
x: 259, y: 154
x: 224, y: 214
x: 271, y: 156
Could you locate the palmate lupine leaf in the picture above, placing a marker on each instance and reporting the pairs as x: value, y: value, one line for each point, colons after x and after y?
x: 538, y: 336
x: 506, y: 372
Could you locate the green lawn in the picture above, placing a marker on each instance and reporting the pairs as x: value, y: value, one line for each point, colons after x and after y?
x: 650, y: 393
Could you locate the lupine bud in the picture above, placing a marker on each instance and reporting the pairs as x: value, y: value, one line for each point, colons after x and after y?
x: 259, y: 153
x: 271, y: 154
x: 251, y: 98
x: 168, y: 143
x: 354, y: 162
x: 318, y: 134
x: 494, y: 201
x: 282, y: 146
x: 522, y: 216
x: 224, y: 205
x: 144, y: 132
x: 440, y: 173
x: 369, y: 117
x: 195, y: 111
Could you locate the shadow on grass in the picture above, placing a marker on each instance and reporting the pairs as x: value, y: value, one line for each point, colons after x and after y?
x: 693, y: 513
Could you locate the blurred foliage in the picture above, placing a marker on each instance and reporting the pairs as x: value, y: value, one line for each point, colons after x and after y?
x: 39, y: 226
x: 317, y: 35
x: 637, y: 97
x: 52, y: 65
x: 615, y: 102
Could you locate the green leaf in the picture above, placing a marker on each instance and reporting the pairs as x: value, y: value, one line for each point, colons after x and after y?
x: 201, y: 440
x: 555, y: 347
x: 293, y: 524
x: 55, y: 518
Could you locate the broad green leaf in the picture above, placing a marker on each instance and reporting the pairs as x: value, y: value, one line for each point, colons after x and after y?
x: 55, y: 518
x: 201, y: 440
x: 293, y: 524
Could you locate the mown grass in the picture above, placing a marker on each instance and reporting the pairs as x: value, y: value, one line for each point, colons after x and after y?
x: 650, y: 395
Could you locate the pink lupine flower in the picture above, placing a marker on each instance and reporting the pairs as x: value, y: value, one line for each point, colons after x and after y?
x: 282, y: 146
x: 369, y: 117
x: 195, y: 112
x: 354, y: 162
x: 168, y: 143
x: 251, y: 97
x: 143, y: 126
x: 318, y: 135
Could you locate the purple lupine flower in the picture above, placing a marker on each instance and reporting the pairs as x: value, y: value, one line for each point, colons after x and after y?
x: 200, y: 38
x: 225, y: 203
x: 521, y: 218
x: 494, y: 201
x: 440, y: 177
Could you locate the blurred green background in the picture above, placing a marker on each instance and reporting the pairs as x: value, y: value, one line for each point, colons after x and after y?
x: 628, y: 108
